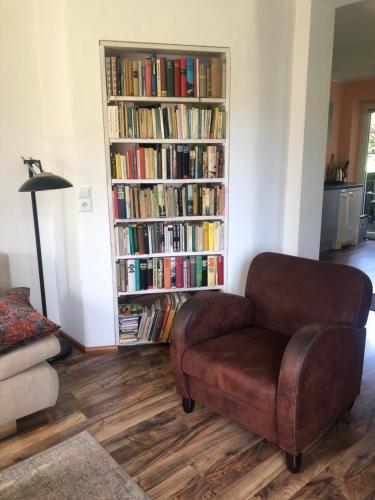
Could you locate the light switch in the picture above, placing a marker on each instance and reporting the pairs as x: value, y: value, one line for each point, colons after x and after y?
x: 84, y: 192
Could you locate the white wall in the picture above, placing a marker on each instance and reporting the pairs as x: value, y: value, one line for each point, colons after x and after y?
x: 64, y: 127
x: 312, y: 59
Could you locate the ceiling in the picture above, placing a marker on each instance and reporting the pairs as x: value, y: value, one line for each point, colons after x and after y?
x: 354, y: 42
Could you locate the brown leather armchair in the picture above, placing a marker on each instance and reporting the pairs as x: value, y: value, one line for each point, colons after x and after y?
x: 286, y: 359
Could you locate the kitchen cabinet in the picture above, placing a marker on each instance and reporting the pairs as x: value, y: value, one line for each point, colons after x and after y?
x: 341, y: 212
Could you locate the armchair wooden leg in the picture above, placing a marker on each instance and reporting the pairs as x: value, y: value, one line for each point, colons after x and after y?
x: 188, y: 404
x: 8, y: 429
x: 293, y: 462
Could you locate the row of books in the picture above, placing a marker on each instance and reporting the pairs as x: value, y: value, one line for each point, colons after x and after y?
x: 143, y: 202
x: 161, y: 237
x: 134, y: 275
x: 151, y: 322
x: 161, y: 77
x: 179, y: 121
x: 181, y: 161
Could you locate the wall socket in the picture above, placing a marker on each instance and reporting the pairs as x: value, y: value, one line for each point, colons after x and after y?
x: 85, y: 205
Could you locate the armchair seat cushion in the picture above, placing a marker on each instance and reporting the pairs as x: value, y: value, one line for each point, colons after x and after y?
x: 244, y: 364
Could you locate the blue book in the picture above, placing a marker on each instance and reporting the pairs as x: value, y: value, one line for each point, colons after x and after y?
x: 154, y: 90
x: 190, y: 77
x: 137, y: 275
x: 131, y: 240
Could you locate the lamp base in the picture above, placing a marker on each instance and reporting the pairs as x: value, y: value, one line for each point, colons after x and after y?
x: 65, y: 350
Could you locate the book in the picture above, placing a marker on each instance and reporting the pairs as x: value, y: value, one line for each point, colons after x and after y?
x: 216, y: 77
x: 190, y: 77
x: 163, y: 76
x: 211, y: 271
x: 183, y: 83
x: 170, y: 78
x: 153, y: 76
x: 177, y: 77
x: 148, y: 77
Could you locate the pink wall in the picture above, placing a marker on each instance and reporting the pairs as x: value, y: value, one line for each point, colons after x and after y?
x: 348, y: 100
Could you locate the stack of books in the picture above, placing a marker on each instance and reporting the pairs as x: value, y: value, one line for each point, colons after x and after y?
x: 155, y: 319
x: 134, y: 275
x: 156, y: 201
x: 162, y: 237
x: 165, y: 77
x: 167, y: 122
x: 181, y: 161
x: 129, y: 318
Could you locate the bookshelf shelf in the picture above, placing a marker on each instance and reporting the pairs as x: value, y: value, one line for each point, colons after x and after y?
x: 192, y: 76
x: 169, y: 290
x: 166, y: 182
x: 171, y: 219
x: 168, y: 254
x: 174, y: 100
x: 167, y: 141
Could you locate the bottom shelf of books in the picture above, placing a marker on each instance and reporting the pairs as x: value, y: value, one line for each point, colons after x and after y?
x: 147, y: 319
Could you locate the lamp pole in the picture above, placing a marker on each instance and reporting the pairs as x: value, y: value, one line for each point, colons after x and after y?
x: 38, y: 248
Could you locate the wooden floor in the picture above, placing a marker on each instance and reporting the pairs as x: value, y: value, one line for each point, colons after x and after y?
x: 361, y: 256
x: 128, y: 402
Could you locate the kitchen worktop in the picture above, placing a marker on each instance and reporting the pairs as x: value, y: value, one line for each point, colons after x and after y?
x: 341, y: 185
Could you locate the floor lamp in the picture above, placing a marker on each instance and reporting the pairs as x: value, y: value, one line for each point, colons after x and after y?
x: 39, y: 180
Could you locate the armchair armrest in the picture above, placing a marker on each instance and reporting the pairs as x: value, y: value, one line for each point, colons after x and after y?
x: 320, y: 376
x: 205, y: 316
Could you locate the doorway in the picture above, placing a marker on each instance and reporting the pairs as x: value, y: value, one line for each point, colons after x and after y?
x: 369, y: 176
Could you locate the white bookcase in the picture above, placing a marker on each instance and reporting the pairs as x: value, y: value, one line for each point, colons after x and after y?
x: 139, y: 51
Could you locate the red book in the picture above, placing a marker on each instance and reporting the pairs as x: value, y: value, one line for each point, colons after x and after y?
x: 142, y: 168
x: 165, y: 317
x: 188, y: 273
x: 148, y: 76
x: 134, y: 165
x: 179, y: 272
x: 220, y: 270
x: 115, y: 202
x: 183, y: 76
x: 177, y: 78
x: 167, y: 272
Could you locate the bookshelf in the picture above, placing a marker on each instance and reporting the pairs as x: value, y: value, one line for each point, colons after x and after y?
x: 167, y: 164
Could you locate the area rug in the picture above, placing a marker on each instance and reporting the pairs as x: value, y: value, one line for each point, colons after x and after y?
x: 77, y: 469
x: 372, y: 307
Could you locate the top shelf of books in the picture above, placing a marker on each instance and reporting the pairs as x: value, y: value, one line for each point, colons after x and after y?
x: 165, y: 75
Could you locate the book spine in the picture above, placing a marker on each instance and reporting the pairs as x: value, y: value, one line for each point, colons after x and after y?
x: 170, y: 78
x: 190, y: 77
x: 154, y: 91
x: 163, y: 77
x: 177, y: 77
x: 148, y: 76
x: 183, y: 83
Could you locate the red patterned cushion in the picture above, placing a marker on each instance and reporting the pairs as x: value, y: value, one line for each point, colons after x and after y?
x: 19, y: 322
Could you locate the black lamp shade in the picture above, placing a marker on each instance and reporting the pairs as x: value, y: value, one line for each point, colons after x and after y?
x: 44, y: 182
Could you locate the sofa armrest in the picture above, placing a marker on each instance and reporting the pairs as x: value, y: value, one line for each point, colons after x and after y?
x: 320, y: 376
x: 205, y: 316
x: 26, y: 356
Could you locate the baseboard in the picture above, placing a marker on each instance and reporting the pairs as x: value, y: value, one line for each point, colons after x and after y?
x: 92, y: 350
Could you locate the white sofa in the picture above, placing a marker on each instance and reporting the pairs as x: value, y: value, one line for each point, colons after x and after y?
x: 27, y: 382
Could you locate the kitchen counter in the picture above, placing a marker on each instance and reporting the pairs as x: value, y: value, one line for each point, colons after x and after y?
x: 340, y: 185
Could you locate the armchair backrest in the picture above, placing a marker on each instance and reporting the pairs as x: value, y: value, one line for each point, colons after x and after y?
x: 290, y: 292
